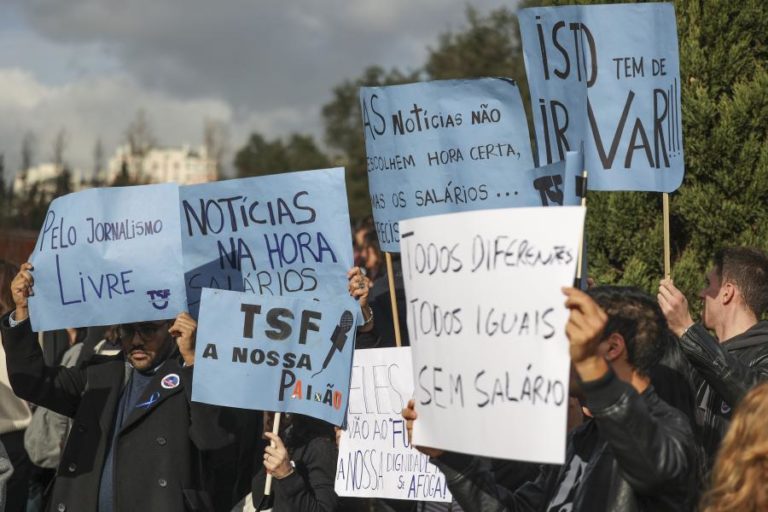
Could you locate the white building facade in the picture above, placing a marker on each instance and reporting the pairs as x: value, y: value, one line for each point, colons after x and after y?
x: 44, y: 176
x: 185, y: 165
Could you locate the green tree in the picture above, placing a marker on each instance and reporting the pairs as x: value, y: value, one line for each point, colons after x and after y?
x: 488, y: 46
x: 63, y: 184
x: 260, y: 156
x: 123, y: 178
x: 344, y: 131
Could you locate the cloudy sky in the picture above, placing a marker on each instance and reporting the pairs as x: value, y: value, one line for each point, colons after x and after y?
x: 267, y: 65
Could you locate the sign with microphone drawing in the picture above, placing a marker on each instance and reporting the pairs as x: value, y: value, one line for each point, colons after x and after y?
x: 274, y: 354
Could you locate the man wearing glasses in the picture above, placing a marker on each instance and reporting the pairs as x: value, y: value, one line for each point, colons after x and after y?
x: 138, y: 442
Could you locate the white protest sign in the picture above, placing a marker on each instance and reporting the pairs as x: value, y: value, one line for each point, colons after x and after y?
x: 375, y: 459
x: 487, y: 319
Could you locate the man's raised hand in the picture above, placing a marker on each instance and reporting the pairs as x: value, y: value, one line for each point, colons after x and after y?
x: 184, y: 329
x: 674, y: 305
x: 21, y: 289
x: 410, y: 415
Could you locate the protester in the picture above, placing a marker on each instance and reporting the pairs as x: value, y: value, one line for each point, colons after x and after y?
x: 303, y: 467
x: 359, y: 233
x: 370, y: 251
x: 14, y: 412
x: 138, y: 442
x: 635, y: 452
x: 727, y: 365
x: 741, y: 467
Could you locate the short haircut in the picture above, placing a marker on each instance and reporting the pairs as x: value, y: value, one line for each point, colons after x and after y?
x: 747, y: 269
x: 637, y: 317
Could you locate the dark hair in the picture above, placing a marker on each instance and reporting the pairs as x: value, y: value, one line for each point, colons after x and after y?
x: 366, y: 223
x: 7, y: 272
x: 747, y: 269
x: 637, y: 317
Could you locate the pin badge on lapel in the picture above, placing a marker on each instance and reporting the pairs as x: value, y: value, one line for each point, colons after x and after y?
x: 170, y: 381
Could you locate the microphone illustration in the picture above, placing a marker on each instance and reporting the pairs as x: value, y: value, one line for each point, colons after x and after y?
x: 338, y: 338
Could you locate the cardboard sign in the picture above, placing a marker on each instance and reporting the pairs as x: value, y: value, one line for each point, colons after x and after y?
x: 375, y: 459
x: 108, y: 256
x: 282, y: 354
x: 606, y: 78
x: 280, y: 235
x: 445, y: 146
x: 487, y: 326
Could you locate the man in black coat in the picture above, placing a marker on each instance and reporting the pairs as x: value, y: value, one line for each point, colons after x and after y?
x: 723, y: 368
x: 634, y: 452
x: 138, y: 442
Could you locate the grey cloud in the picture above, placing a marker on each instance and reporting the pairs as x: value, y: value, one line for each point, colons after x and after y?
x: 254, y: 54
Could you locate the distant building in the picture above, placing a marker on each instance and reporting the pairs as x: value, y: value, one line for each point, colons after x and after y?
x: 43, y: 177
x: 185, y: 165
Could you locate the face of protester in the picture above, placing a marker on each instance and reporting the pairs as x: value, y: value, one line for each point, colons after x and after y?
x: 145, y: 343
x: 370, y: 257
x: 711, y: 298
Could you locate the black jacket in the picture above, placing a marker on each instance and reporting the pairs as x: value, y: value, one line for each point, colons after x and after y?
x: 643, y: 459
x: 722, y: 374
x: 161, y: 450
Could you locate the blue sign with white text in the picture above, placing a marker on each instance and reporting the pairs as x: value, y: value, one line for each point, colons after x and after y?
x: 605, y: 79
x: 108, y: 256
x: 283, y: 234
x: 444, y: 146
x: 282, y: 354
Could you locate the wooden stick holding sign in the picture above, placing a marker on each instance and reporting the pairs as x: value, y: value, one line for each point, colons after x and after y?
x: 393, y: 299
x: 581, y: 191
x: 276, y: 431
x: 667, y: 250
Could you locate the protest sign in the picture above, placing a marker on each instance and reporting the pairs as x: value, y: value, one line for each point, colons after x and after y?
x: 487, y: 326
x: 607, y: 78
x: 283, y: 354
x: 375, y: 459
x: 284, y: 234
x: 108, y: 256
x: 444, y: 146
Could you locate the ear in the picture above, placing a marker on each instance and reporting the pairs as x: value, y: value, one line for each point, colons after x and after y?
x: 615, y: 347
x: 727, y: 293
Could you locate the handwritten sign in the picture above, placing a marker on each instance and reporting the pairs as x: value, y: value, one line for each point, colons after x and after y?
x: 487, y: 326
x: 281, y: 235
x: 108, y: 256
x: 282, y: 354
x: 375, y: 459
x: 445, y: 146
x: 607, y: 77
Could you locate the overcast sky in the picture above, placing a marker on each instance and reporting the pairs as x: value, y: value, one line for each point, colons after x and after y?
x: 264, y: 65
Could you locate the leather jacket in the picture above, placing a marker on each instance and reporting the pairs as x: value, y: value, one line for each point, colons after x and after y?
x: 722, y: 374
x: 643, y: 458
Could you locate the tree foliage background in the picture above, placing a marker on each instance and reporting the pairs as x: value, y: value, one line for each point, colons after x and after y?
x: 724, y: 197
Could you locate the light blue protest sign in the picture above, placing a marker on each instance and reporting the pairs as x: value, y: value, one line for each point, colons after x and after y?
x: 551, y: 185
x: 606, y: 78
x: 282, y: 354
x: 283, y: 234
x: 108, y: 256
x: 443, y: 146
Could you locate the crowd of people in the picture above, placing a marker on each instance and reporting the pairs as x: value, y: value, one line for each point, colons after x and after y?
x: 665, y: 412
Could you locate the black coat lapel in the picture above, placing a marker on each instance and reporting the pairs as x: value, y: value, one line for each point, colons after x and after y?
x: 106, y: 376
